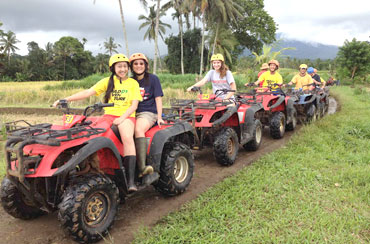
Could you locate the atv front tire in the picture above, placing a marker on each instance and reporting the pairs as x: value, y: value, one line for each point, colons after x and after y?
x: 176, y: 171
x: 255, y: 143
x: 15, y: 203
x: 226, y: 146
x: 277, y: 125
x: 291, y: 126
x: 88, y: 208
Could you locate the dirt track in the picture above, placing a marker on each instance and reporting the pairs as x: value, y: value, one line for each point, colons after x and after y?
x: 142, y: 209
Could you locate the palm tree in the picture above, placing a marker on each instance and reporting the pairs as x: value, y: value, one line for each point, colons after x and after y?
x: 225, y: 42
x: 64, y: 50
x: 223, y: 12
x: 156, y: 35
x: 101, y: 61
x: 150, y: 21
x: 200, y: 8
x: 179, y: 11
x: 144, y: 3
x: 110, y: 46
x: 8, y: 41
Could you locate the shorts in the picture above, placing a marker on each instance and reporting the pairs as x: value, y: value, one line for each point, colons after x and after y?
x: 149, y: 116
x: 111, y: 118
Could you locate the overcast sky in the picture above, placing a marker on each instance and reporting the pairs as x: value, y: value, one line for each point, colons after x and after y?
x: 320, y: 21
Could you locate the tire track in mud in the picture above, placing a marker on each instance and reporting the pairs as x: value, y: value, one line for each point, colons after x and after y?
x: 144, y: 208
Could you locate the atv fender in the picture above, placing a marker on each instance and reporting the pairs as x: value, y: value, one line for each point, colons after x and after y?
x: 278, y: 102
x: 90, y: 148
x: 162, y: 136
x: 229, y: 112
x: 248, y: 126
x: 312, y: 99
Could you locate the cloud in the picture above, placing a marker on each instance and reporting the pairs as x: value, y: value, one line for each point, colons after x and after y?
x: 328, y: 22
x: 46, y: 21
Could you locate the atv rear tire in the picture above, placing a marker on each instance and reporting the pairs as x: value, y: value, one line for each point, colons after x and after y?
x: 311, y: 114
x: 176, y: 171
x: 88, y: 208
x: 291, y: 126
x: 255, y: 143
x: 15, y: 203
x: 226, y: 147
x: 277, y: 125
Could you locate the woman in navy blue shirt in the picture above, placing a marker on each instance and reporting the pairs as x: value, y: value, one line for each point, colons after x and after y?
x: 149, y: 111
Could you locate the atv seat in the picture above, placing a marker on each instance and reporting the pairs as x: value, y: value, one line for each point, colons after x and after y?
x: 118, y: 135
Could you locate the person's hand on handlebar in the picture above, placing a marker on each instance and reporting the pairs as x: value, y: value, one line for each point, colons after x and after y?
x: 193, y: 89
x: 59, y: 102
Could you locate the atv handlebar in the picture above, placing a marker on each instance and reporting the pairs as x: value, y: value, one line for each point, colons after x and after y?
x: 97, y: 107
x: 220, y: 92
x: 196, y: 89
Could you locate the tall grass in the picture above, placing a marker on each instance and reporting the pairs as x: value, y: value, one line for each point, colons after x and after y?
x: 316, y: 189
x: 42, y: 94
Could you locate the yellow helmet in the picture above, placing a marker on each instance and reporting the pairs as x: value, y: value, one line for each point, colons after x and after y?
x: 117, y: 58
x: 303, y: 66
x: 217, y: 56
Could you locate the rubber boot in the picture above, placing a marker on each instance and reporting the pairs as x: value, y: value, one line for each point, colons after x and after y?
x: 141, y: 148
x: 130, y: 162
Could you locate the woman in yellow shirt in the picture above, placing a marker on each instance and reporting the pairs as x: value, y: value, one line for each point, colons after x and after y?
x: 124, y: 92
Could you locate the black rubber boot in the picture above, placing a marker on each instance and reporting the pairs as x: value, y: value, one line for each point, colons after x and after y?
x: 130, y: 162
x: 141, y: 148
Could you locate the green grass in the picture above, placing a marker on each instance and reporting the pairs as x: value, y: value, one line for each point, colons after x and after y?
x: 316, y: 189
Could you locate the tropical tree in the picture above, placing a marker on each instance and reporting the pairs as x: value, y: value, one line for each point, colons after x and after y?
x: 149, y: 21
x: 8, y: 41
x: 255, y: 27
x: 222, y: 12
x: 156, y: 50
x: 200, y: 8
x: 153, y: 31
x: 67, y: 48
x: 144, y: 3
x: 101, y: 63
x: 225, y: 43
x: 110, y: 46
x: 268, y: 54
x: 191, y: 40
x: 354, y: 59
x: 180, y: 10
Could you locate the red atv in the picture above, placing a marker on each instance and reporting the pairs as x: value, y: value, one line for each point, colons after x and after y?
x: 77, y: 169
x: 278, y: 109
x: 221, y: 124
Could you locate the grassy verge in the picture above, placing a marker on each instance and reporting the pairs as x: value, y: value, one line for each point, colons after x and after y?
x: 316, y: 189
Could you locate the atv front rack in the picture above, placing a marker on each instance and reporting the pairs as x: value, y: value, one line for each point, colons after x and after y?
x: 20, y: 136
x: 199, y: 104
x: 43, y: 134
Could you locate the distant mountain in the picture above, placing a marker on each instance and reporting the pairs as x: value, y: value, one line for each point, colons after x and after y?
x: 309, y: 50
x: 304, y: 49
